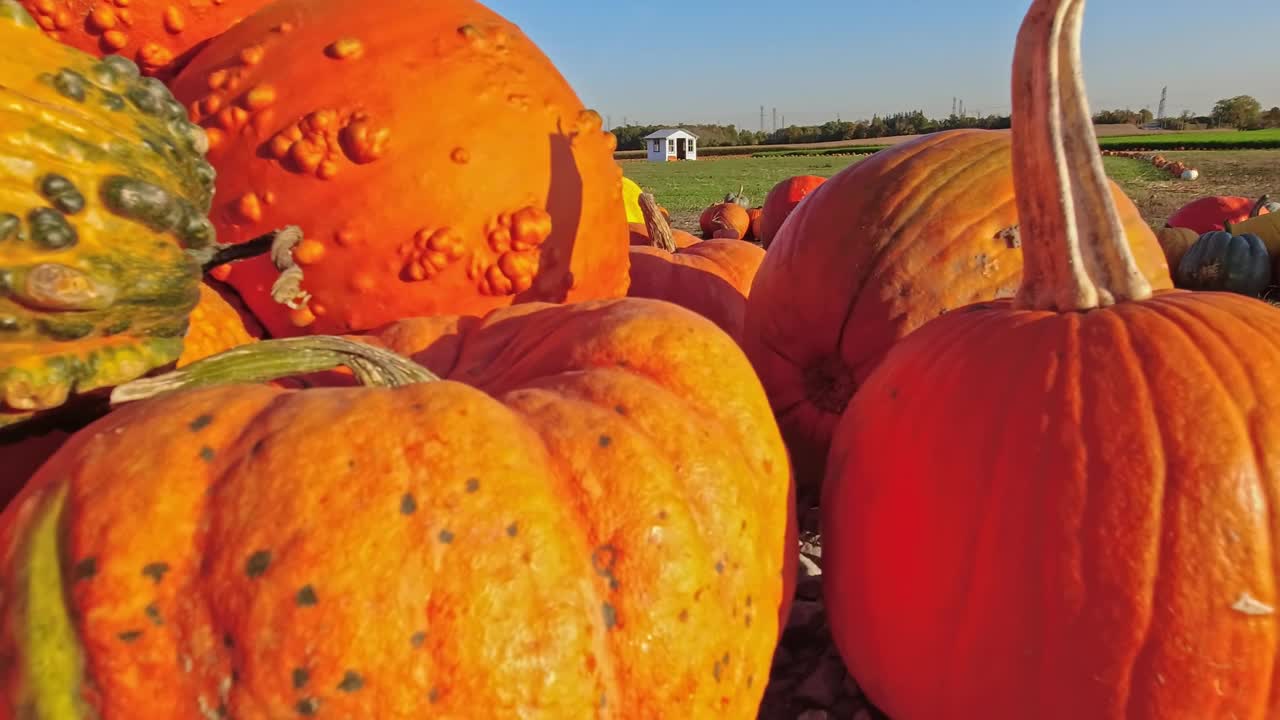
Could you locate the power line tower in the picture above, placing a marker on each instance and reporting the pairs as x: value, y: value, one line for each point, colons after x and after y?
x: 775, y: 119
x: 1164, y: 96
x: 953, y: 105
x: 761, y: 118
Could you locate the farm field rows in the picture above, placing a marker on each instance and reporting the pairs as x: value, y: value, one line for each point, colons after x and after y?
x: 686, y: 188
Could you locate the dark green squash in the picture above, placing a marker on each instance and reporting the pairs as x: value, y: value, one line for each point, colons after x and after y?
x: 103, y: 202
x: 1223, y: 261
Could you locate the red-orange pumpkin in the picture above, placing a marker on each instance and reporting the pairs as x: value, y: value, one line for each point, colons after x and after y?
x: 873, y: 253
x: 1208, y: 214
x: 753, y: 224
x: 586, y: 517
x: 781, y: 200
x: 710, y: 277
x: 1063, y: 506
x: 434, y: 157
x: 158, y: 35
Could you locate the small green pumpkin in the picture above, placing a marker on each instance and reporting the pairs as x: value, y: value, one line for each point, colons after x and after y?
x: 103, y: 227
x: 1221, y: 260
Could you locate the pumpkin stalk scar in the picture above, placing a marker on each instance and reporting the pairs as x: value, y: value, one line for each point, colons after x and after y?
x: 274, y: 359
x: 1075, y: 254
x: 52, y: 664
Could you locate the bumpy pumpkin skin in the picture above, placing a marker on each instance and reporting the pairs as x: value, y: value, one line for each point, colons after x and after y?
x: 216, y: 325
x: 155, y: 34
x: 781, y: 200
x: 105, y: 189
x: 875, y: 252
x: 601, y: 535
x: 331, y: 115
x: 711, y: 278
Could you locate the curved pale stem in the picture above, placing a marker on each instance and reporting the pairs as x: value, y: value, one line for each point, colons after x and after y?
x: 1075, y: 256
x: 659, y: 229
x: 273, y: 359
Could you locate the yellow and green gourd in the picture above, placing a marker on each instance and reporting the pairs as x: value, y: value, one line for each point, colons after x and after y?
x: 104, y: 196
x: 631, y: 200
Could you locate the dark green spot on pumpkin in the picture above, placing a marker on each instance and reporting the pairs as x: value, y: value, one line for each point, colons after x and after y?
x: 50, y: 229
x: 610, y: 616
x: 85, y: 569
x: 445, y: 537
x: 716, y: 670
x: 308, y: 706
x: 70, y: 84
x: 473, y: 484
x: 206, y: 453
x: 155, y: 570
x: 153, y: 614
x: 111, y: 101
x: 351, y: 681
x: 512, y: 530
x: 408, y: 505
x: 605, y: 441
x: 417, y: 639
x: 148, y: 95
x: 257, y: 563
x: 130, y: 636
x: 719, y: 567
x: 200, y: 423
x: 434, y: 695
x: 228, y: 640
x: 61, y: 193
x: 620, y: 409
x: 306, y: 596
x: 10, y: 227
x: 300, y: 678
x: 65, y: 328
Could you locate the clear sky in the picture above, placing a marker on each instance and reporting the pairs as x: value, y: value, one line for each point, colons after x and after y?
x: 655, y: 61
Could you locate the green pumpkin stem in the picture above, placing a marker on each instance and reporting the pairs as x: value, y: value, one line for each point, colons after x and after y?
x: 1075, y: 255
x: 659, y: 229
x: 274, y: 359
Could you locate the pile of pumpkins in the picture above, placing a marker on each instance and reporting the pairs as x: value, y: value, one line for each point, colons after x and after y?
x: 1224, y: 242
x: 343, y: 375
x: 1176, y: 168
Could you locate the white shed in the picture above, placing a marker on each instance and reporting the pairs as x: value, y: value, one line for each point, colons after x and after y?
x: 671, y: 143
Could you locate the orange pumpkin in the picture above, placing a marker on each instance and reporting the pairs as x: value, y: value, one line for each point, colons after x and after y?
x: 158, y: 35
x: 1063, y: 506
x: 753, y: 223
x: 876, y: 251
x: 1175, y: 242
x: 586, y: 516
x: 781, y: 200
x: 725, y: 219
x: 512, y: 195
x: 711, y: 277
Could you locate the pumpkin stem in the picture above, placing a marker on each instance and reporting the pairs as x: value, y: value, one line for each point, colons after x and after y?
x: 273, y: 359
x: 1257, y: 207
x: 1075, y: 256
x: 261, y: 245
x: 659, y: 229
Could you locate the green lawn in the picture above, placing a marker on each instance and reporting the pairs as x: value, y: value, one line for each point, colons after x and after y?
x: 1238, y: 139
x: 692, y: 186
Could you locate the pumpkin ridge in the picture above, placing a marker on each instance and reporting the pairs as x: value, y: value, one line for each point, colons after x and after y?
x: 53, y: 666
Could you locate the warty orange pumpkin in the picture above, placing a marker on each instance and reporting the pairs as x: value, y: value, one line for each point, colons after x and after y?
x: 710, y: 277
x: 158, y: 35
x: 327, y: 114
x: 585, y: 516
x: 1062, y: 506
x: 873, y: 253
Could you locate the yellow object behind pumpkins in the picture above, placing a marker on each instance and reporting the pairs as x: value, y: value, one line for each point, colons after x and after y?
x: 631, y: 199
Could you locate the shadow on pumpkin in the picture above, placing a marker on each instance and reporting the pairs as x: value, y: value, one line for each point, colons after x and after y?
x: 564, y: 203
x: 656, y: 274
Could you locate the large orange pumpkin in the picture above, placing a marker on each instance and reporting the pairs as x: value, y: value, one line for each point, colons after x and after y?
x: 159, y: 35
x: 434, y: 157
x: 584, y: 518
x: 710, y: 277
x: 781, y: 200
x: 1063, y: 506
x: 873, y: 253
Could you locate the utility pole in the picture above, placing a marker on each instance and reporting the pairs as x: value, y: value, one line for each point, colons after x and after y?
x: 784, y: 120
x: 608, y: 122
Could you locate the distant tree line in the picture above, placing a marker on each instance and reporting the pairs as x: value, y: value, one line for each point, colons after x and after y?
x: 1242, y: 112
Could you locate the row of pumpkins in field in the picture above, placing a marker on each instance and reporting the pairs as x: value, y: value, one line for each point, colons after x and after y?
x: 337, y: 383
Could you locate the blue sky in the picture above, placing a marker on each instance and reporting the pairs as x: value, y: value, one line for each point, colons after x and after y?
x: 702, y: 61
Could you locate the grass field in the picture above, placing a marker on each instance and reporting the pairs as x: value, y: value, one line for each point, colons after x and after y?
x: 686, y: 188
x: 1240, y: 139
